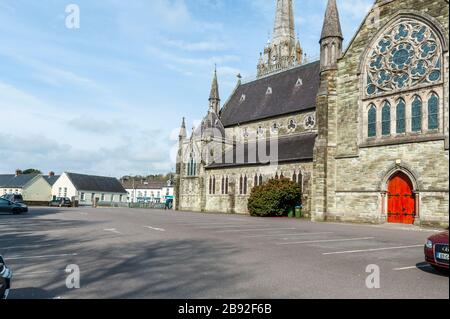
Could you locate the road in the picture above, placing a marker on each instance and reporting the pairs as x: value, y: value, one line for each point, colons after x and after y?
x: 125, y: 253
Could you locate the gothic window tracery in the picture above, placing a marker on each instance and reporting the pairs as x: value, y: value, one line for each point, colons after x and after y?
x: 406, y: 56
x: 433, y: 112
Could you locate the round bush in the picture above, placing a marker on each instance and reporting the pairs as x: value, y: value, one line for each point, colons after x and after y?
x: 274, y: 198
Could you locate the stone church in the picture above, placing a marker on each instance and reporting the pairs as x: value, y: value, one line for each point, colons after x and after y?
x: 363, y: 130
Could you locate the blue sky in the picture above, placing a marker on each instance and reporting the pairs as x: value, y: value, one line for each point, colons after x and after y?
x: 108, y: 98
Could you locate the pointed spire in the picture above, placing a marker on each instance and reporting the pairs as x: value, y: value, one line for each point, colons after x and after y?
x: 214, y: 98
x: 332, y: 24
x: 183, y: 133
x: 214, y: 95
x: 284, y: 22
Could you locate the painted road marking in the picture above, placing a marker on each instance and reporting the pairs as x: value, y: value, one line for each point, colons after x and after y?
x: 27, y: 246
x: 40, y: 257
x: 228, y: 226
x: 412, y: 267
x: 113, y: 230
x: 371, y: 250
x: 154, y: 228
x: 326, y: 241
x: 253, y: 229
x: 288, y: 235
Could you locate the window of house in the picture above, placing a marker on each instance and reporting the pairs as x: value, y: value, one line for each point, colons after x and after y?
x: 401, y: 116
x: 416, y: 112
x: 386, y: 119
x: 433, y: 112
x: 103, y: 197
x: 241, y: 185
x: 65, y: 191
x: 226, y: 185
x: 245, y: 185
x: 82, y: 196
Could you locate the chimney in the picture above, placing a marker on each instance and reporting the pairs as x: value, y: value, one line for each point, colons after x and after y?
x: 51, y: 174
x: 18, y: 172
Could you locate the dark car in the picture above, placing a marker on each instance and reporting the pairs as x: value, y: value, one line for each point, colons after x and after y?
x: 436, y: 251
x: 7, y: 206
x: 5, y: 279
x: 168, y: 204
x: 15, y: 198
x: 60, y: 202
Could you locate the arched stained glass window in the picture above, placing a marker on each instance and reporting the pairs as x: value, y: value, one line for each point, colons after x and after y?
x: 416, y: 114
x: 433, y: 112
x: 386, y: 119
x: 401, y: 116
x: 372, y: 121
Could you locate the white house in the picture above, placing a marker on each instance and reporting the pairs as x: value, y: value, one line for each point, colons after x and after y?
x: 141, y: 190
x: 88, y: 188
x: 34, y: 188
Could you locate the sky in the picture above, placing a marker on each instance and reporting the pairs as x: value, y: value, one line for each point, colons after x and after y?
x: 107, y: 98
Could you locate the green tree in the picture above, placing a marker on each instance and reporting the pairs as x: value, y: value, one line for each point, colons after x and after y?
x: 31, y: 171
x: 274, y: 198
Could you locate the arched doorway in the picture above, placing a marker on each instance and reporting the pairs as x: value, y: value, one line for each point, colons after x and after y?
x: 401, y: 199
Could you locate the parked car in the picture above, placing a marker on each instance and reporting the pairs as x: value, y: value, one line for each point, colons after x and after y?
x: 61, y: 202
x: 7, y: 206
x: 437, y: 251
x: 169, y: 204
x: 15, y: 198
x: 5, y: 279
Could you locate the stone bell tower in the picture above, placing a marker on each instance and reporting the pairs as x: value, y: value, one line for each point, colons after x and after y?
x: 284, y: 50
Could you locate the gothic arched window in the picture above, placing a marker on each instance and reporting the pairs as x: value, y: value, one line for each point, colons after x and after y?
x: 372, y: 121
x: 401, y: 116
x: 386, y: 119
x: 433, y: 112
x: 416, y: 114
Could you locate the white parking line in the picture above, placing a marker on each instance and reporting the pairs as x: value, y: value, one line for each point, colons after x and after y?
x: 326, y: 241
x: 40, y: 257
x: 154, y: 228
x: 253, y: 229
x: 412, y: 267
x: 227, y: 226
x: 288, y: 235
x: 113, y: 230
x: 27, y: 246
x: 371, y: 250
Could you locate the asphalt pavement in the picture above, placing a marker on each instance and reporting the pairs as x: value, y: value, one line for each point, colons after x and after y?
x: 138, y: 253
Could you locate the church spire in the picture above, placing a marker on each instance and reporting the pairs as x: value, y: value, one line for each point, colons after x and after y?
x: 284, y: 28
x: 183, y: 133
x: 284, y: 50
x: 214, y: 98
x: 331, y: 24
x: 331, y: 38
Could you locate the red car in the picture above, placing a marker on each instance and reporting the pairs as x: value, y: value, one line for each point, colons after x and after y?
x: 436, y: 250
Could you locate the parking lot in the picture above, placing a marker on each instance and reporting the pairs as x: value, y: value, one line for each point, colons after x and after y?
x: 137, y: 253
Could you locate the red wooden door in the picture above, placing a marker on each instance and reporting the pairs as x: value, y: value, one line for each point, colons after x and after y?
x: 401, y: 200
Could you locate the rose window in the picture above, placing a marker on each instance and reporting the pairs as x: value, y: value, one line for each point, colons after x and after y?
x: 407, y: 55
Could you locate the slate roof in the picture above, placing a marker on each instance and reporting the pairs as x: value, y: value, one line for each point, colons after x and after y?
x: 5, y: 178
x: 96, y: 183
x: 14, y: 181
x: 290, y: 148
x: 51, y: 179
x: 142, y: 184
x: 286, y: 96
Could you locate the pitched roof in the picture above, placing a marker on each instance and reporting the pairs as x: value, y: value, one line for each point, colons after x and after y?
x: 290, y: 148
x: 51, y: 179
x: 142, y: 184
x: 5, y: 178
x: 96, y: 183
x: 250, y: 101
x: 14, y: 181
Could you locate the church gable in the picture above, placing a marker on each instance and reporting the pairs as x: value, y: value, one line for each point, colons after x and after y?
x: 251, y: 102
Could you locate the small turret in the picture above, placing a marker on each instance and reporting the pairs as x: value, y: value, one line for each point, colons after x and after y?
x: 183, y: 133
x: 331, y: 38
x: 214, y: 98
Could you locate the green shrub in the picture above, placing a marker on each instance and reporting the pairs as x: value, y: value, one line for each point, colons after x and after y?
x: 274, y: 198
